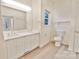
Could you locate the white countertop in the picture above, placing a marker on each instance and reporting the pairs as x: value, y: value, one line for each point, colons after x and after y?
x: 18, y: 35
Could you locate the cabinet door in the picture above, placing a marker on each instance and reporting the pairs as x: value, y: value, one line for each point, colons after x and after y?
x: 34, y: 41
x: 11, y: 49
x: 31, y: 42
x: 26, y: 44
x: 20, y: 46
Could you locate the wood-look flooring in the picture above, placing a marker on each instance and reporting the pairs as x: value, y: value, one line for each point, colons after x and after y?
x: 50, y: 52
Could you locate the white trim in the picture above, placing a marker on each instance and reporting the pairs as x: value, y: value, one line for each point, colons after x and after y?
x: 63, y: 21
x: 19, y: 35
x: 42, y: 45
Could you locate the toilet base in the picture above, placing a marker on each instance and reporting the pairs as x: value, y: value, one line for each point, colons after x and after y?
x: 57, y: 44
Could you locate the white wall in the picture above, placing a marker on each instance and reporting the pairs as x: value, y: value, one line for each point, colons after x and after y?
x: 73, y: 44
x: 36, y: 13
x: 45, y: 35
x: 3, y: 52
x: 26, y: 2
x: 38, y: 7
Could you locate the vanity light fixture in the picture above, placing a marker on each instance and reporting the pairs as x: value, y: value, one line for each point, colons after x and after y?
x: 16, y: 5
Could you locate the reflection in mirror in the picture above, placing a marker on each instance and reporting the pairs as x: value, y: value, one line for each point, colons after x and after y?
x: 18, y: 16
x: 7, y: 23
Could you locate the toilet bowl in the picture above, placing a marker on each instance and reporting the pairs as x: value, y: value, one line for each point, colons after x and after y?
x: 58, y: 37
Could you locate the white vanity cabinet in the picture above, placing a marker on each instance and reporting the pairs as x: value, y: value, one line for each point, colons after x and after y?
x: 34, y: 42
x: 11, y: 49
x: 22, y: 44
x: 18, y: 46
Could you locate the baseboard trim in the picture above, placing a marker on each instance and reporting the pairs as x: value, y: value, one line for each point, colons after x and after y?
x: 42, y: 45
x: 28, y: 52
x: 62, y: 43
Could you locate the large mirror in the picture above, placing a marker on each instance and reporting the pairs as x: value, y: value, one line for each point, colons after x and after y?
x: 16, y: 18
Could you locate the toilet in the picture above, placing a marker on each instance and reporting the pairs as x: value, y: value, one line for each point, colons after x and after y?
x: 58, y: 37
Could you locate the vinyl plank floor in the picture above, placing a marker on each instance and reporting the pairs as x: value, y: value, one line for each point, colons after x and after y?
x: 46, y: 52
x: 50, y: 52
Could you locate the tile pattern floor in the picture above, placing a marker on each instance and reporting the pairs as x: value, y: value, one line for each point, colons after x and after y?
x: 50, y: 52
x: 63, y: 53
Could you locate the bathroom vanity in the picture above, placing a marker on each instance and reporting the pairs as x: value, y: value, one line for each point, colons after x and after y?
x: 18, y: 39
x: 20, y: 44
